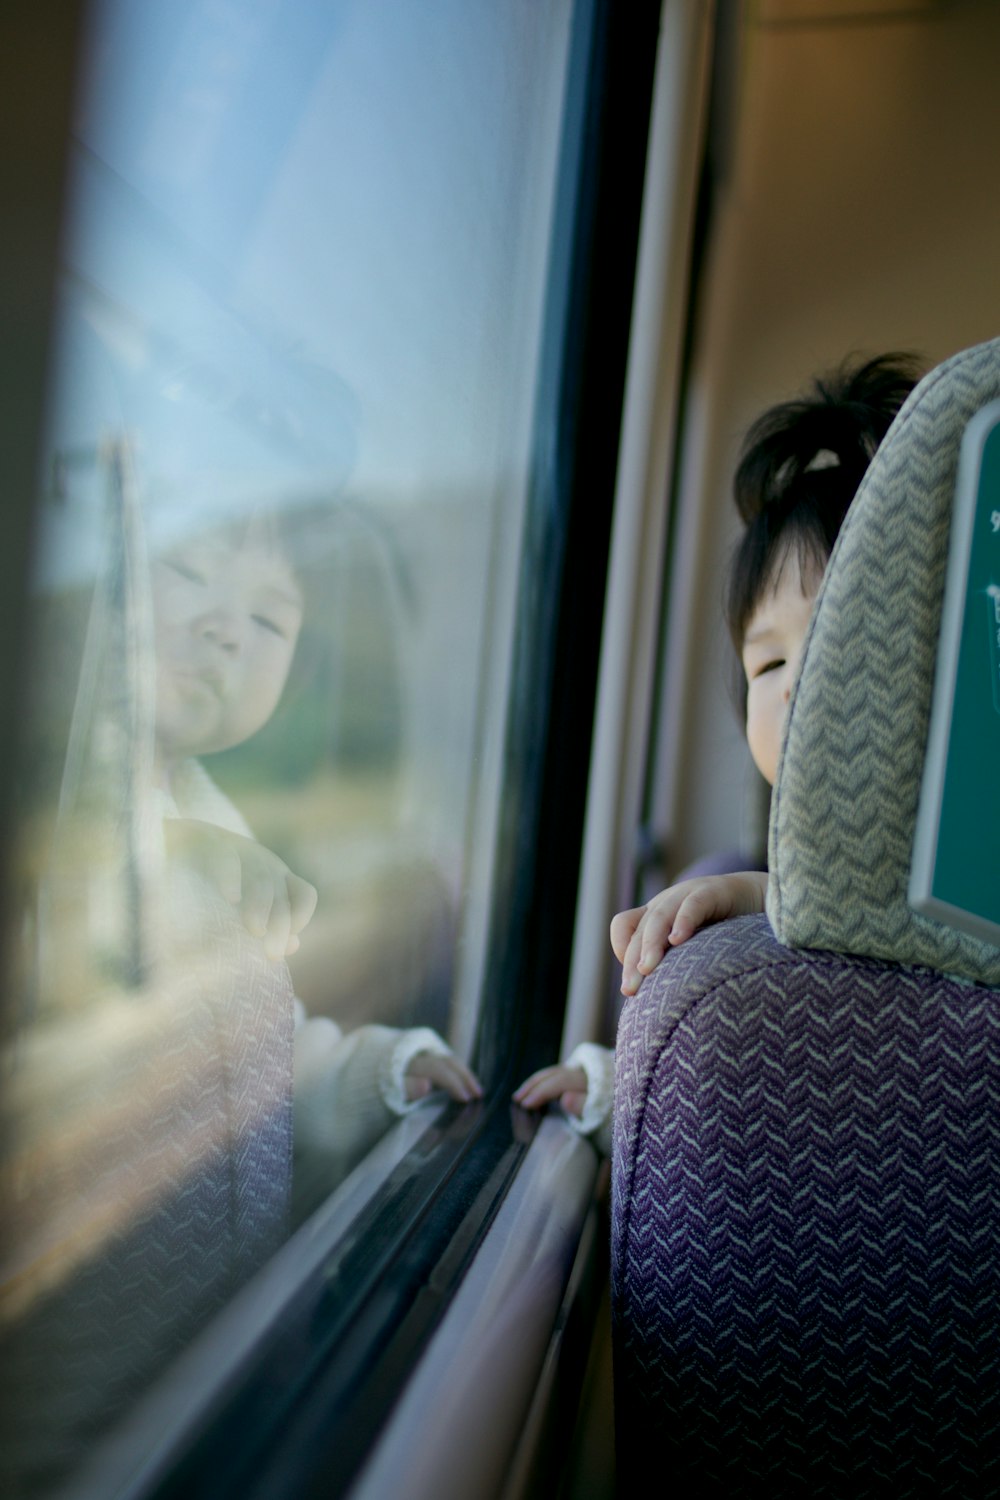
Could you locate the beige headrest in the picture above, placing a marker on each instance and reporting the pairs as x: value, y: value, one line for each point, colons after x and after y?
x: 845, y: 801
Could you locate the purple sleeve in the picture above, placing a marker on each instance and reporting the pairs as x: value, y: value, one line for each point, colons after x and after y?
x: 722, y: 862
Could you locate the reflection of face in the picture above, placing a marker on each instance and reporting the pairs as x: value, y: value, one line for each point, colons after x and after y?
x: 772, y: 645
x: 226, y: 619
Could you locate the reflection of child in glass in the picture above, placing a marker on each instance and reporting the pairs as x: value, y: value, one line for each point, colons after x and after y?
x: 227, y: 614
x: 801, y: 464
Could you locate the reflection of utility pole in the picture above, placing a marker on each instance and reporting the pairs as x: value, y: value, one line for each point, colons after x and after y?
x: 131, y: 608
x: 109, y: 756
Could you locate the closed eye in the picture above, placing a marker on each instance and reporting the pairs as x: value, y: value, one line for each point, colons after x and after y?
x: 273, y: 625
x: 185, y: 570
x: 768, y: 666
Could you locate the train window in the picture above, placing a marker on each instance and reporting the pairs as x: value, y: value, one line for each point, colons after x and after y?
x: 281, y: 746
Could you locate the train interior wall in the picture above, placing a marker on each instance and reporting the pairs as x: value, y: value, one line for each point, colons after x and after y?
x: 855, y: 209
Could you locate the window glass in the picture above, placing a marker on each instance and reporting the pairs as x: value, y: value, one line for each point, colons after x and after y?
x: 279, y: 522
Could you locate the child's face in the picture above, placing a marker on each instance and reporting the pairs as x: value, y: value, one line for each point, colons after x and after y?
x: 226, y: 619
x: 772, y: 645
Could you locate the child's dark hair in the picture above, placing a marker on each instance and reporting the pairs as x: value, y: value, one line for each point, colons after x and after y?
x: 800, y: 467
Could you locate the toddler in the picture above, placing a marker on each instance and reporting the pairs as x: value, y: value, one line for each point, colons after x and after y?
x: 227, y: 611
x: 801, y: 464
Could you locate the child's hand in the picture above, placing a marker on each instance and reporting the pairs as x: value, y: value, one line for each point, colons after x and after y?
x: 568, y: 1085
x: 275, y: 904
x: 642, y: 935
x: 429, y: 1070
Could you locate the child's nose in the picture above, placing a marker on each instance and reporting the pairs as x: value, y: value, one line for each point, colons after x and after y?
x: 221, y: 628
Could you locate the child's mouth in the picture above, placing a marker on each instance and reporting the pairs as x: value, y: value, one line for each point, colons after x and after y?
x: 207, y: 679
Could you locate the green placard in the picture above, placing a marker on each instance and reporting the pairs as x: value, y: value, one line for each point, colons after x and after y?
x: 956, y: 858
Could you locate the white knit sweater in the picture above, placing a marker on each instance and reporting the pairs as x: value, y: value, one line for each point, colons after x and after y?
x: 599, y: 1065
x: 347, y: 1088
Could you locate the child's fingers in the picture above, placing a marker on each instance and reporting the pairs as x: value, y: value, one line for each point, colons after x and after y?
x: 697, y: 909
x: 274, y: 904
x: 452, y: 1075
x: 626, y: 940
x: 536, y: 1080
x: 302, y: 899
x: 574, y: 1103
x: 631, y: 978
x: 632, y: 974
x: 226, y: 871
x: 676, y: 914
x: 448, y: 1073
x: 279, y: 925
x: 257, y: 898
x: 657, y: 932
x: 623, y: 927
x: 650, y: 940
x: 547, y: 1085
x: 712, y: 900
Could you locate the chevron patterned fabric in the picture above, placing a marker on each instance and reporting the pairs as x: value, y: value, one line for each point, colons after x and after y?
x: 806, y: 1164
x: 845, y: 801
x: 806, y: 1222
x: 190, y: 1128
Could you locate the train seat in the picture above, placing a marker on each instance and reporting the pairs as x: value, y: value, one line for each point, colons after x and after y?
x: 806, y: 1171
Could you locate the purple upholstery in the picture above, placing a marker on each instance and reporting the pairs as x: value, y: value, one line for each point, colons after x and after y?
x: 806, y: 1225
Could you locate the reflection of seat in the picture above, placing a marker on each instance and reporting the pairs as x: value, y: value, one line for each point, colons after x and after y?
x: 806, y: 1178
x: 167, y: 1159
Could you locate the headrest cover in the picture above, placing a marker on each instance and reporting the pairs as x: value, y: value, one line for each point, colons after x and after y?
x: 845, y: 800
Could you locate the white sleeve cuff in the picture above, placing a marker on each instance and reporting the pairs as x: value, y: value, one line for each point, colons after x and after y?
x: 599, y: 1065
x: 393, y: 1072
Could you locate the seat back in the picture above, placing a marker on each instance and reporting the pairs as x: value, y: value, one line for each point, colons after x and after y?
x: 806, y: 1172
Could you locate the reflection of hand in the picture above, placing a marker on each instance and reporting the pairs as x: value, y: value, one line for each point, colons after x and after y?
x: 568, y: 1085
x: 275, y: 904
x: 641, y: 936
x: 428, y: 1071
